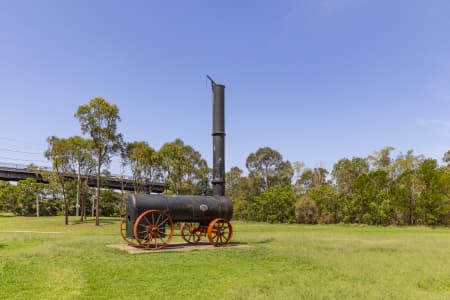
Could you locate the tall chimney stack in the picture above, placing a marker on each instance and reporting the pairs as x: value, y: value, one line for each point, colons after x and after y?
x: 218, y: 134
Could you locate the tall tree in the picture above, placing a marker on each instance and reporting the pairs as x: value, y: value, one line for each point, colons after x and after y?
x: 183, y: 168
x: 446, y: 157
x: 123, y: 165
x: 382, y: 159
x: 99, y: 119
x: 58, y: 153
x: 374, y: 189
x: 311, y: 178
x: 405, y: 162
x: 267, y: 168
x: 82, y: 163
x: 434, y: 199
x: 298, y: 167
x: 241, y: 190
x: 346, y: 171
x: 329, y: 203
x: 142, y: 159
x: 408, y: 188
x: 232, y: 179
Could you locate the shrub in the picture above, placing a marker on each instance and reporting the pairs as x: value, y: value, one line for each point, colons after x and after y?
x: 276, y: 205
x: 306, y: 210
x: 326, y: 218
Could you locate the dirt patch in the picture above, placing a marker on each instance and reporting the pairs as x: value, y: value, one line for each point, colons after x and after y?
x: 176, y: 247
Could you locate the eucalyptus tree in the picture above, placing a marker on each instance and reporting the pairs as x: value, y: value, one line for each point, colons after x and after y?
x: 446, y: 157
x: 434, y: 199
x: 99, y: 120
x: 298, y: 167
x: 123, y: 166
x: 232, y: 179
x: 374, y: 191
x: 143, y: 163
x: 58, y: 152
x: 29, y: 192
x: 242, y: 191
x: 346, y: 171
x: 353, y: 191
x: 406, y: 162
x: 408, y: 188
x: 182, y: 168
x: 311, y: 178
x: 81, y: 160
x: 9, y: 198
x: 382, y: 159
x: 267, y: 167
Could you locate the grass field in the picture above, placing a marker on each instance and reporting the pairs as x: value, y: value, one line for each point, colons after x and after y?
x: 283, y: 262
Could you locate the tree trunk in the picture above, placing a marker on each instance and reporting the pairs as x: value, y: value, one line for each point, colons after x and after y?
x: 122, y: 194
x: 77, y: 206
x: 82, y: 201
x: 66, y: 207
x: 97, y: 218
x: 93, y: 205
x: 86, y: 192
x: 37, y: 205
x: 411, y: 220
x: 66, y: 211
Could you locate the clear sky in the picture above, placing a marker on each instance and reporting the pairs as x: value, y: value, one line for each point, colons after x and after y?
x: 316, y: 80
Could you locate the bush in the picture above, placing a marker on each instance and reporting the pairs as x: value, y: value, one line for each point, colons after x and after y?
x: 326, y: 218
x: 306, y: 210
x: 276, y: 205
x: 51, y: 207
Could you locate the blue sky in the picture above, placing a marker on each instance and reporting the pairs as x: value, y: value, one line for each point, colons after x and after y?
x: 316, y: 80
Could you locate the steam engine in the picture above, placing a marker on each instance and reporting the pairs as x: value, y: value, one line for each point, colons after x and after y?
x: 150, y: 218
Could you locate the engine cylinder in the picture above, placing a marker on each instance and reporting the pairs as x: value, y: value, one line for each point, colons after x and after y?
x: 201, y: 209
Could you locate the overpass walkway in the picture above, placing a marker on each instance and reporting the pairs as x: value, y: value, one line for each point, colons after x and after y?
x: 15, y: 172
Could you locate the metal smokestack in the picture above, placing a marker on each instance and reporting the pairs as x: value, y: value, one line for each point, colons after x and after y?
x: 218, y: 134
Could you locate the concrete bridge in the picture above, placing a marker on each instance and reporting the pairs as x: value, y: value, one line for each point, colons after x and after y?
x: 11, y: 172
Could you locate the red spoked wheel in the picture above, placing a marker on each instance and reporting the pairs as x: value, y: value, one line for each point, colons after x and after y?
x: 190, y: 232
x: 153, y: 229
x: 123, y: 232
x: 220, y: 232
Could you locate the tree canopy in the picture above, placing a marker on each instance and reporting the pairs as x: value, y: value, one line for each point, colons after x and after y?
x: 99, y: 120
x: 377, y: 189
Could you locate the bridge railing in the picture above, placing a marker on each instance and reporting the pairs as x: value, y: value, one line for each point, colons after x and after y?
x: 13, y: 165
x: 26, y: 167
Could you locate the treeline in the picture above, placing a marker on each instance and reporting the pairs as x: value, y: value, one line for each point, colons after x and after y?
x: 376, y: 190
x: 31, y: 198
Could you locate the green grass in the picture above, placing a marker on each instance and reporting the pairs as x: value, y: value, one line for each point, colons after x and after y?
x: 283, y: 262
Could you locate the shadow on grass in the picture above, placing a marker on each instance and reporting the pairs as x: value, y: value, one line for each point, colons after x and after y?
x: 266, y: 241
x: 237, y: 243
